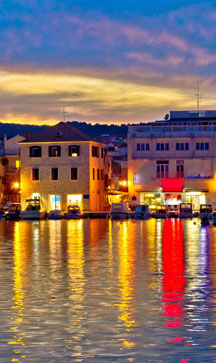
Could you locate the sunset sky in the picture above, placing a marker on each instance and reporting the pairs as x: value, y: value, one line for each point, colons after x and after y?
x: 105, y: 61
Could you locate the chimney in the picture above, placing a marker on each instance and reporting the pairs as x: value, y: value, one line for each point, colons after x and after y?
x: 5, y: 141
x: 28, y: 135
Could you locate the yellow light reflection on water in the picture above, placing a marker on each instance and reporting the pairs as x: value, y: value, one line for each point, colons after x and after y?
x: 110, y: 247
x: 19, y: 261
x: 76, y: 274
x: 126, y: 253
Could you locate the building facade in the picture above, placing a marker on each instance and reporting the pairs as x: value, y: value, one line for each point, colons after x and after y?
x: 62, y: 166
x: 11, y: 166
x: 173, y: 160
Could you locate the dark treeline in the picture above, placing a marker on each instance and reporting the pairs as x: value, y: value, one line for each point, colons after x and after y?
x: 92, y: 130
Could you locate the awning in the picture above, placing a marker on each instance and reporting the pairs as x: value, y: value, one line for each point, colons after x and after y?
x: 188, y: 190
x: 172, y: 185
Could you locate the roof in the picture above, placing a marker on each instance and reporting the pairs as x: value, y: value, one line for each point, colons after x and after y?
x: 58, y: 133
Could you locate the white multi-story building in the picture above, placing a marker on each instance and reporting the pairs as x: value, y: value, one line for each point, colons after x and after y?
x: 173, y: 160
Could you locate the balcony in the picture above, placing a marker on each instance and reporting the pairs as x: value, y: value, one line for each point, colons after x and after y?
x: 11, y: 170
x: 157, y: 131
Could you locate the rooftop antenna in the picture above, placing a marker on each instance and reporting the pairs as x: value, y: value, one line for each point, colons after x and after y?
x: 198, y: 96
x: 64, y: 113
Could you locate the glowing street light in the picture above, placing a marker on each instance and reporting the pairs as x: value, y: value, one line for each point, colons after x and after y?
x: 16, y: 185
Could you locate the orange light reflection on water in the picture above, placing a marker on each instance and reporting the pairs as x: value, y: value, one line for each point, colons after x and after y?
x: 19, y: 266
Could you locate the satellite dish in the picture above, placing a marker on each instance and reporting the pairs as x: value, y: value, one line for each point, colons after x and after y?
x: 166, y: 117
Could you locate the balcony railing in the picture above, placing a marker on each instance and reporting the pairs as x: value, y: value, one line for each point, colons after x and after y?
x: 171, y: 130
x: 11, y: 170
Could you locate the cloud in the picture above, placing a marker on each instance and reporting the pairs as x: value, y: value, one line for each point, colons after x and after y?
x: 103, y: 67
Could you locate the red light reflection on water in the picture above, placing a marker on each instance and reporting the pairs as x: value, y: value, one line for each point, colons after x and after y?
x: 173, y: 274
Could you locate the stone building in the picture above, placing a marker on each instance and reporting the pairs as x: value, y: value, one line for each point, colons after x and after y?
x: 173, y: 160
x: 63, y: 166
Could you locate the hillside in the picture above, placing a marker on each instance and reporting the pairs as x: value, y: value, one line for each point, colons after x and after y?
x: 92, y: 130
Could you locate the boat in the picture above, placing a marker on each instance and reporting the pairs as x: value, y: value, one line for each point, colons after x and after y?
x: 172, y: 211
x: 160, y: 212
x: 205, y: 209
x: 186, y: 210
x: 3, y: 212
x: 33, y: 210
x: 73, y: 212
x: 119, y: 211
x: 13, y: 211
x: 55, y: 214
x: 142, y: 212
x: 207, y: 215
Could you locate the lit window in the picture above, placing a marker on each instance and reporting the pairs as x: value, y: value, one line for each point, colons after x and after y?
x: 73, y: 150
x: 54, y: 151
x: 55, y: 202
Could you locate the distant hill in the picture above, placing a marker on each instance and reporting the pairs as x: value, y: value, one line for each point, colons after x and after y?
x: 92, y: 130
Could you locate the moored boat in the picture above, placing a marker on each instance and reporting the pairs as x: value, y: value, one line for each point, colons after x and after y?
x: 160, y: 212
x: 55, y: 214
x: 172, y: 211
x: 119, y: 211
x: 142, y: 212
x: 33, y: 210
x: 73, y: 212
x: 13, y: 212
x: 186, y: 210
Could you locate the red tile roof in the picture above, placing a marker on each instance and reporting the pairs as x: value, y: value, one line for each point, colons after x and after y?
x: 57, y: 133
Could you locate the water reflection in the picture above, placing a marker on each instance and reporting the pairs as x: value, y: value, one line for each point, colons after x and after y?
x: 126, y: 274
x: 18, y: 298
x: 102, y: 290
x: 173, y: 273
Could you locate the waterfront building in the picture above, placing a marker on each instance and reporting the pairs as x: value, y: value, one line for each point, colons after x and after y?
x: 116, y: 151
x: 11, y: 166
x: 63, y: 166
x: 173, y: 160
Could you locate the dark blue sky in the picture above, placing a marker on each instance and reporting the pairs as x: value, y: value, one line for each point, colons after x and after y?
x: 106, y: 61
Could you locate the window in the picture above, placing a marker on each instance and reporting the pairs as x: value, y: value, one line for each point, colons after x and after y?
x: 35, y: 151
x: 182, y: 146
x: 162, y: 168
x: 93, y: 174
x: 95, y: 151
x: 102, y: 174
x: 54, y: 175
x: 17, y: 164
x: 202, y: 146
x: 35, y: 174
x: 180, y: 168
x: 162, y: 147
x: 143, y: 147
x: 54, y: 151
x: 55, y: 202
x: 98, y: 174
x: 102, y: 152
x: 73, y: 150
x: 74, y: 174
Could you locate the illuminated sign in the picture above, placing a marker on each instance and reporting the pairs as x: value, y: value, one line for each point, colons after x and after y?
x: 172, y: 185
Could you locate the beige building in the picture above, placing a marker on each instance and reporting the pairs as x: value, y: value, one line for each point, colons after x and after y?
x: 173, y: 160
x: 62, y: 166
x: 11, y: 165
